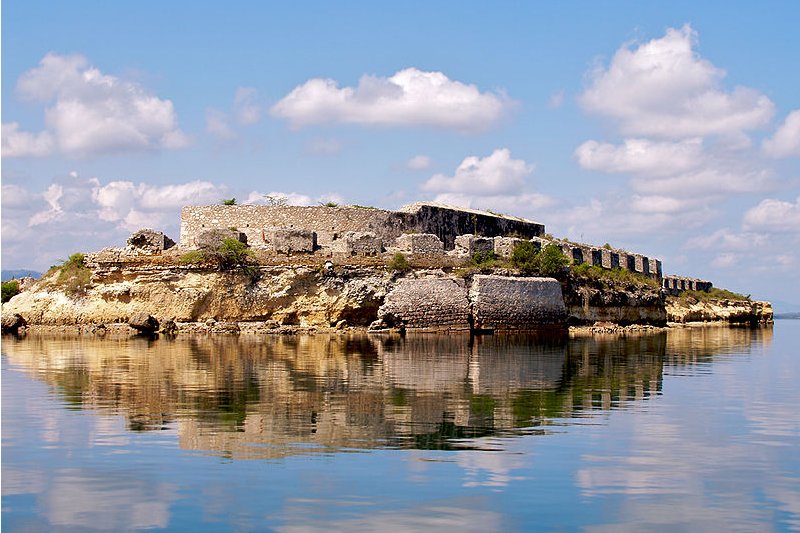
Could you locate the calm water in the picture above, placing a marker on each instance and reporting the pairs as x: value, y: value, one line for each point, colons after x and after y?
x: 691, y: 430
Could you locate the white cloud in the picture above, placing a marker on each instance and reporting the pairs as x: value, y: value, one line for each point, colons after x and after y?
x: 419, y: 162
x: 291, y: 198
x: 410, y: 97
x: 774, y: 215
x: 245, y: 108
x: 495, y: 182
x: 91, y: 113
x: 217, y: 124
x: 726, y: 240
x: 786, y: 141
x: 725, y: 260
x: 664, y: 88
x: 494, y: 174
x: 556, y: 100
x: 17, y: 143
x: 75, y: 213
x: 641, y: 156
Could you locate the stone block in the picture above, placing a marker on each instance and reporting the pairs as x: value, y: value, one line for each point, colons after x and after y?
x: 500, y: 302
x: 504, y: 246
x: 148, y: 241
x: 469, y: 244
x: 420, y: 244
x: 213, y: 238
x: 655, y: 268
x: 353, y: 243
x: 289, y: 240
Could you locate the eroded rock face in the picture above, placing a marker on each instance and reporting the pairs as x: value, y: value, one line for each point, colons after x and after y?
x: 12, y: 322
x: 143, y: 322
x: 730, y: 311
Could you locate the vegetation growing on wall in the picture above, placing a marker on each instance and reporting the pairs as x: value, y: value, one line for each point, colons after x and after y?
x: 549, y: 261
x: 399, y: 263
x: 614, y: 276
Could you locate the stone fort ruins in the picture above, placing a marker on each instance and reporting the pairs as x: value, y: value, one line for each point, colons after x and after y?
x: 421, y: 228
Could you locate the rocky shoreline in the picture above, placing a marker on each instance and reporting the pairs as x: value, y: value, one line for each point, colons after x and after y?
x: 161, y: 295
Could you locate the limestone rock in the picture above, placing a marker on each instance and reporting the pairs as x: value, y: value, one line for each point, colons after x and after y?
x: 143, y: 322
x: 12, y: 322
x: 212, y: 239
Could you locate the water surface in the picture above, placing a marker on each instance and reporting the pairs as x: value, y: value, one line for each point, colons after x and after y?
x: 691, y: 429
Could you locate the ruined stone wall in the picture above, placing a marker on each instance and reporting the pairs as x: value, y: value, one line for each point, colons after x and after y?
x: 329, y: 223
x: 447, y: 223
x: 611, y: 258
x: 674, y: 285
x: 500, y: 302
x: 427, y: 303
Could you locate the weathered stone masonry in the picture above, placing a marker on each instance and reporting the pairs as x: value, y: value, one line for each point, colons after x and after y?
x: 491, y: 303
x: 331, y: 223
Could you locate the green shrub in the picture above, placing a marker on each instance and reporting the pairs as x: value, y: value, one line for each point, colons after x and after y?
x: 230, y: 254
x: 552, y: 260
x: 229, y: 201
x: 193, y: 257
x: 10, y: 289
x: 399, y: 263
x: 613, y: 276
x: 74, y: 277
x: 714, y: 294
x: 525, y: 256
x: 329, y: 204
x: 483, y: 259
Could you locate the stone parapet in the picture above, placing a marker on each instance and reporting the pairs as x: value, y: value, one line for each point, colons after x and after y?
x: 504, y: 246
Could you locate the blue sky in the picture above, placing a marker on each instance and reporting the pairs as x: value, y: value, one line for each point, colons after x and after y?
x: 662, y: 127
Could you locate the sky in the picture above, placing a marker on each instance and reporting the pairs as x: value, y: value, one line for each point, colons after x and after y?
x: 666, y: 128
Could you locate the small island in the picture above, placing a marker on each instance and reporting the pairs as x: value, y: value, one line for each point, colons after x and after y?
x: 426, y: 267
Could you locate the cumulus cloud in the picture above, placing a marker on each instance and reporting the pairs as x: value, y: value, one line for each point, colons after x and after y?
x: 217, y: 124
x: 641, y: 156
x: 76, y: 213
x: 245, y: 106
x: 494, y: 174
x: 419, y: 162
x: 17, y: 143
x: 290, y: 198
x: 494, y: 182
x: 774, y: 215
x: 410, y: 97
x: 90, y: 113
x: 729, y: 241
x: 664, y: 88
x: 786, y: 140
